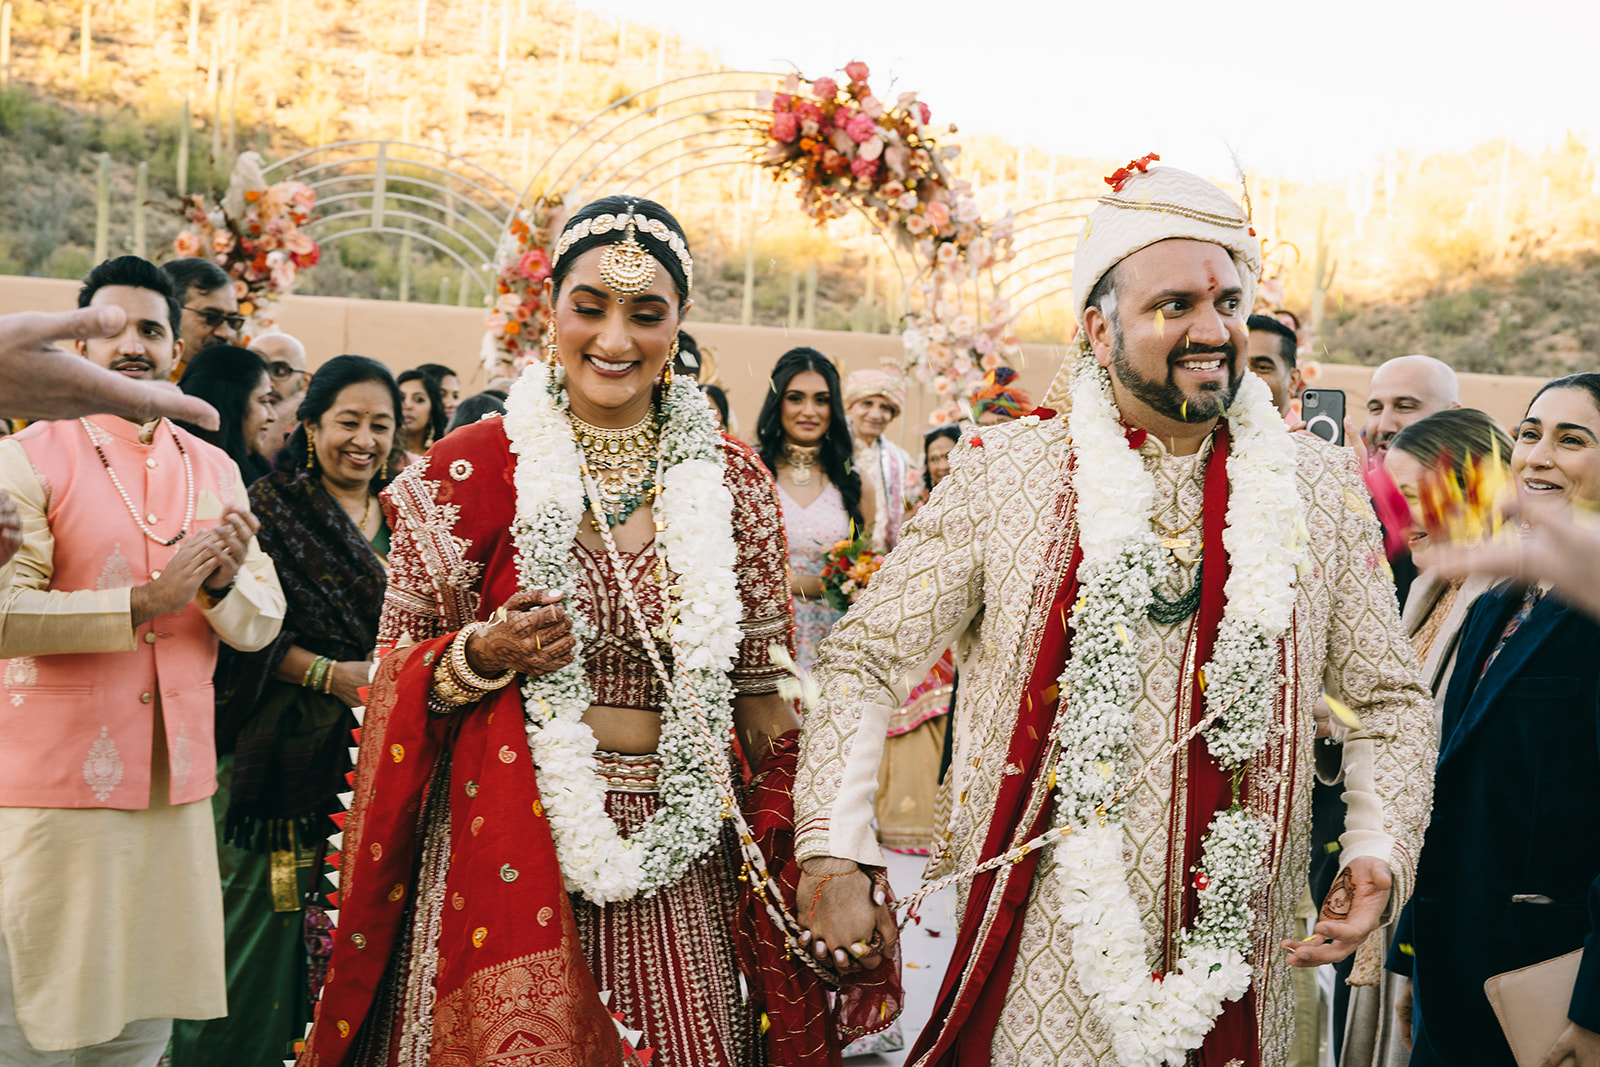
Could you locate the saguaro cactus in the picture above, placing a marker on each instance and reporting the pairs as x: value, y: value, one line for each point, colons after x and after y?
x: 1323, y: 272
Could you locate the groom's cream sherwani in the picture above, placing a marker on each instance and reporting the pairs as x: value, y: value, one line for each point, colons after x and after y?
x: 977, y: 568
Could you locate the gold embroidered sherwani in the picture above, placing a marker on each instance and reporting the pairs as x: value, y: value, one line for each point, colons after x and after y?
x: 972, y: 568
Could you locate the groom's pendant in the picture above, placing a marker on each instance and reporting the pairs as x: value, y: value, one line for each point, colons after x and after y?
x: 1170, y: 543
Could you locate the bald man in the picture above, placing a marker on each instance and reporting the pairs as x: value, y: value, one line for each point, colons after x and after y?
x: 285, y: 358
x: 1404, y: 390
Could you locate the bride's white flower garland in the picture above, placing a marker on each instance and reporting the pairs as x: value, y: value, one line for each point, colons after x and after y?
x: 697, y: 510
x: 1156, y: 1020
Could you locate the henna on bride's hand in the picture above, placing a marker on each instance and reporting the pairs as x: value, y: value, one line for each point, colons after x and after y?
x: 1341, y: 897
x: 529, y: 636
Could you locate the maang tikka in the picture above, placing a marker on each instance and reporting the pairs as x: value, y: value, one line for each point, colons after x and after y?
x: 626, y: 266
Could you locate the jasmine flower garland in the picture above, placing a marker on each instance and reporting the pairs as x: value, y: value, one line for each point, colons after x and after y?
x: 596, y: 860
x: 1156, y: 1020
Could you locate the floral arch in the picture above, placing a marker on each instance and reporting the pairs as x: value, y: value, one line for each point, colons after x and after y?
x: 847, y: 153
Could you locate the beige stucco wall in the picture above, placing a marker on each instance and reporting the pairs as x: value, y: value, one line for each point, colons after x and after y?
x: 404, y: 335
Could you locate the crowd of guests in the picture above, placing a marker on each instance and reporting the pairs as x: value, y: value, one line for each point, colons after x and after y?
x: 251, y: 549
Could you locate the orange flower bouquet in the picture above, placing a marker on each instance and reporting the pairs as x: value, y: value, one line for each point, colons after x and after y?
x: 846, y: 569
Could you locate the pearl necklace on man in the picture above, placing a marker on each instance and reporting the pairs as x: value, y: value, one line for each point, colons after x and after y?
x: 188, y: 476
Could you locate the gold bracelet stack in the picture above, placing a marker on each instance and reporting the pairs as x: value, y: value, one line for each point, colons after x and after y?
x: 455, y: 683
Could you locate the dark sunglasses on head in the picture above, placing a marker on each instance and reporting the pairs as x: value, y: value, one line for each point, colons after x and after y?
x: 214, y: 318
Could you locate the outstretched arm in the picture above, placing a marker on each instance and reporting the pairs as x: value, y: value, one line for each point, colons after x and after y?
x: 917, y: 604
x: 41, y: 380
x: 1389, y: 756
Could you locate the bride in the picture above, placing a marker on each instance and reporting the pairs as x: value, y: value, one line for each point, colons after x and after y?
x: 584, y: 600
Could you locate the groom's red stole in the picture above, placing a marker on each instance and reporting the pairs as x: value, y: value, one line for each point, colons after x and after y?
x: 974, y: 989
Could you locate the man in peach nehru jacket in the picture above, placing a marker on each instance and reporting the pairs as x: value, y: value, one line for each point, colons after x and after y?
x: 138, y: 555
x: 1147, y: 595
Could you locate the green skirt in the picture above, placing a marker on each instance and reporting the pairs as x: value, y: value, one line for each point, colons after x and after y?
x: 269, y: 1006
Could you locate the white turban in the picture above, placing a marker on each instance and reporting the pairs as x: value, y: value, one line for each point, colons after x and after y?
x: 1159, y: 204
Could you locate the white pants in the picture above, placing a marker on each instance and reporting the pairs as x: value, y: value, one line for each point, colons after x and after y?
x: 140, y: 1044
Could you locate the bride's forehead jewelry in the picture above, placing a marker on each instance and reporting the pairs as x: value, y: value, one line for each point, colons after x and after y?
x: 627, y: 267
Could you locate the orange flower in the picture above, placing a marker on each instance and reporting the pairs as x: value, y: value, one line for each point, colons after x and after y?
x: 252, y: 195
x: 513, y: 327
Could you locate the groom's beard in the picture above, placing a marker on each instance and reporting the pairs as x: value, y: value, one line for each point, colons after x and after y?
x: 1164, y: 396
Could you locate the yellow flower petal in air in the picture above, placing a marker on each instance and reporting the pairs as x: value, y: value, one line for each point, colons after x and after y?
x: 1123, y: 633
x: 1346, y: 717
x: 1161, y: 324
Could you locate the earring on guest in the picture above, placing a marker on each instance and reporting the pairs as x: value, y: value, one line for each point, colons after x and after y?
x: 311, y: 449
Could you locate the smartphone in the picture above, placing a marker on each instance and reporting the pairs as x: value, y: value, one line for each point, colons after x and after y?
x: 1323, y: 412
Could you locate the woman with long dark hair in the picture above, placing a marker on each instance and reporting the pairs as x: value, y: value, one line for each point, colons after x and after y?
x: 235, y: 382
x: 588, y: 591
x: 283, y: 713
x: 423, y: 420
x: 806, y: 444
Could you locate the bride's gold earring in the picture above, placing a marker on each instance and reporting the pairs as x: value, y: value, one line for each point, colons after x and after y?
x: 552, y: 351
x: 672, y: 357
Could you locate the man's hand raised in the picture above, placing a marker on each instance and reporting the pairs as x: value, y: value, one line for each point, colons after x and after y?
x: 41, y: 380
x: 1352, y: 910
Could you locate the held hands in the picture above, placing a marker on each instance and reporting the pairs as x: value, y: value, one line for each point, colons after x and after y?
x: 533, y: 637
x: 1352, y: 910
x: 847, y: 918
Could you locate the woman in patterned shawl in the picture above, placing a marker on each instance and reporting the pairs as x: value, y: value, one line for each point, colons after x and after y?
x: 585, y: 597
x: 283, y: 713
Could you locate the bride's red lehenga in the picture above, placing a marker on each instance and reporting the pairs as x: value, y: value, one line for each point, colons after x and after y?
x: 457, y: 944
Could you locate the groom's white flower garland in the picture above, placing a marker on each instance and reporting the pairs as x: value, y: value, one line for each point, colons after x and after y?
x: 697, y: 511
x: 1156, y: 1020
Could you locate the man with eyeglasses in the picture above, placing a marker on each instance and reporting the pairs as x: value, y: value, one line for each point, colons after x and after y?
x: 210, y: 307
x: 285, y: 358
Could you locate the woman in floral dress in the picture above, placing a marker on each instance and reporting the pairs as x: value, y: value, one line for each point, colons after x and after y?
x: 805, y: 442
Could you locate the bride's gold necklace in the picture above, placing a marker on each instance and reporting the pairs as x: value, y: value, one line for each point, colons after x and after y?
x: 622, y: 462
x: 800, y: 460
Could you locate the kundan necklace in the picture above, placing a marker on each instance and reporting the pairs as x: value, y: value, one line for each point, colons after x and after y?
x: 800, y: 458
x: 623, y: 462
x: 188, y: 477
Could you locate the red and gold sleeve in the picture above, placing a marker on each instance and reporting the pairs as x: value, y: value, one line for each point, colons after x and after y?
x: 763, y: 571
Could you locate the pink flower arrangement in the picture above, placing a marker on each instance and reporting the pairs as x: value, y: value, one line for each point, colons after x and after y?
x: 255, y: 233
x: 850, y: 150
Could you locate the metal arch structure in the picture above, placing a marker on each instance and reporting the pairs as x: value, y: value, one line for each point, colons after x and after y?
x: 402, y: 189
x: 1045, y: 239
x: 649, y: 139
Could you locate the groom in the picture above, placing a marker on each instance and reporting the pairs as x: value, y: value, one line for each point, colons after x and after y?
x: 1164, y: 554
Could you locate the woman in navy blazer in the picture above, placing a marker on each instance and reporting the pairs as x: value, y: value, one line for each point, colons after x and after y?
x: 1510, y: 869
